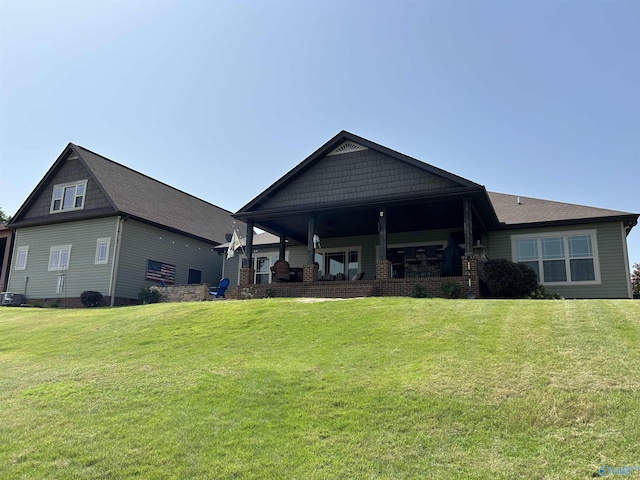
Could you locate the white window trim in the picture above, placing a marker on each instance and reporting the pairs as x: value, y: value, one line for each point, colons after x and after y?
x: 59, y: 248
x: 63, y: 186
x: 106, y: 240
x: 19, y: 250
x: 261, y: 253
x: 346, y: 250
x: 564, y: 234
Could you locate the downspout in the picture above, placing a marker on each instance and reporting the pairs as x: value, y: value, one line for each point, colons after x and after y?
x: 224, y: 264
x: 625, y: 233
x: 116, y: 258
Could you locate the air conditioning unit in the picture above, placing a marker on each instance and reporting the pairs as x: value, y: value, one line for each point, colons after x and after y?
x: 12, y: 299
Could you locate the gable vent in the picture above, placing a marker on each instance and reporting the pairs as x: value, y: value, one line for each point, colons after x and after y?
x: 347, y: 147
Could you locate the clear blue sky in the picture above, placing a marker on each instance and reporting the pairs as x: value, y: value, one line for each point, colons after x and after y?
x: 220, y: 99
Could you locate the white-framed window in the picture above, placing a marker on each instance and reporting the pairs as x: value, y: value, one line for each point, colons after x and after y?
x: 102, y: 251
x: 68, y: 196
x: 559, y: 257
x: 21, y: 258
x: 59, y: 257
x: 262, y: 263
x: 338, y: 263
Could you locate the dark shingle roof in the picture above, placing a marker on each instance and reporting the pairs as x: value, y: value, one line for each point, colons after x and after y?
x: 143, y: 197
x: 537, y: 211
x: 259, y: 240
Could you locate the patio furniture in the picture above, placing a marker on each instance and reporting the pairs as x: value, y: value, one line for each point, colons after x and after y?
x: 296, y: 274
x: 220, y: 289
x: 280, y: 271
x: 410, y: 255
x: 452, y: 259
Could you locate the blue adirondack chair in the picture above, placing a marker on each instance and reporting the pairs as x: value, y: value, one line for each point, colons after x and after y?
x: 220, y: 289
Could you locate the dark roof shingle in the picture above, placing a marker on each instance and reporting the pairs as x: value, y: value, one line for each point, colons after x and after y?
x: 140, y: 196
x: 529, y: 210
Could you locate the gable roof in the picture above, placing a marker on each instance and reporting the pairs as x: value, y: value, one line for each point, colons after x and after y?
x: 259, y: 240
x: 513, y: 210
x: 139, y: 196
x: 348, y: 142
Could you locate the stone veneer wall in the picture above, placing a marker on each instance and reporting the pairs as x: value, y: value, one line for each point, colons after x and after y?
x: 185, y: 293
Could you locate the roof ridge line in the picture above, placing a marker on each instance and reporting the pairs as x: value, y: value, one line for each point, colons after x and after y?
x: 150, y: 178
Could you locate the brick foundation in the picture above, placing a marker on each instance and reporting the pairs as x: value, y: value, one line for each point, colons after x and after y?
x: 391, y: 287
x: 310, y: 273
x: 247, y: 275
x: 73, y: 302
x: 383, y: 270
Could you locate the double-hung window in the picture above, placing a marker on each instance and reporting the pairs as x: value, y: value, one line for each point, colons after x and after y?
x: 68, y: 196
x: 102, y: 251
x: 21, y: 258
x: 567, y: 257
x: 59, y: 257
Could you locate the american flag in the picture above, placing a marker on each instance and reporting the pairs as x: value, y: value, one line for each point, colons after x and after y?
x: 161, y: 272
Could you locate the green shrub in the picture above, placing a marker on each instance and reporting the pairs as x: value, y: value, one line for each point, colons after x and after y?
x: 451, y: 289
x: 507, y: 279
x: 247, y: 294
x: 90, y: 298
x: 149, y: 295
x: 541, y: 293
x: 418, y: 292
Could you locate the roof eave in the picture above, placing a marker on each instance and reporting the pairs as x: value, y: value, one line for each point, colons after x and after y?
x: 629, y: 220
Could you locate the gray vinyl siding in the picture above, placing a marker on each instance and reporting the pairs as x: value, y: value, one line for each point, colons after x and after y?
x: 141, y: 242
x: 82, y: 274
x: 614, y: 281
x: 354, y: 176
x: 232, y: 268
x: 71, y: 171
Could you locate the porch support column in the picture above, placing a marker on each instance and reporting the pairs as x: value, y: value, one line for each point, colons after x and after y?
x: 382, y: 232
x: 383, y: 266
x: 247, y: 273
x: 468, y: 227
x: 281, y: 251
x: 249, y: 243
x: 311, y: 249
x: 310, y: 270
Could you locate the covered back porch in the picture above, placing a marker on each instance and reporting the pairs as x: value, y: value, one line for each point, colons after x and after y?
x: 379, y: 251
x: 356, y: 208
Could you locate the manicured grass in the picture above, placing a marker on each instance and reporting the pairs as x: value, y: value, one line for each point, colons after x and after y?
x: 365, y: 388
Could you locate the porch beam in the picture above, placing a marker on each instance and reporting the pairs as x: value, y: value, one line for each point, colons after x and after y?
x: 382, y: 232
x: 249, y: 244
x: 479, y: 218
x: 310, y: 232
x: 468, y: 226
x: 281, y: 252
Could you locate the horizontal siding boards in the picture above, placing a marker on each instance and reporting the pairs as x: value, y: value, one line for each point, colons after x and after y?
x: 232, y: 268
x: 83, y: 274
x: 613, y: 276
x: 354, y: 176
x: 141, y: 242
x: 71, y: 171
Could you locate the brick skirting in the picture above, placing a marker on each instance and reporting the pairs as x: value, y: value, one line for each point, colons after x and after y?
x: 392, y: 287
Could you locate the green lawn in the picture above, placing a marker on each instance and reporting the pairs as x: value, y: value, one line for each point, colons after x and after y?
x: 365, y: 388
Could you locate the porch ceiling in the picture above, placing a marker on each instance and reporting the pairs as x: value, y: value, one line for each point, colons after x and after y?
x: 402, y: 216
